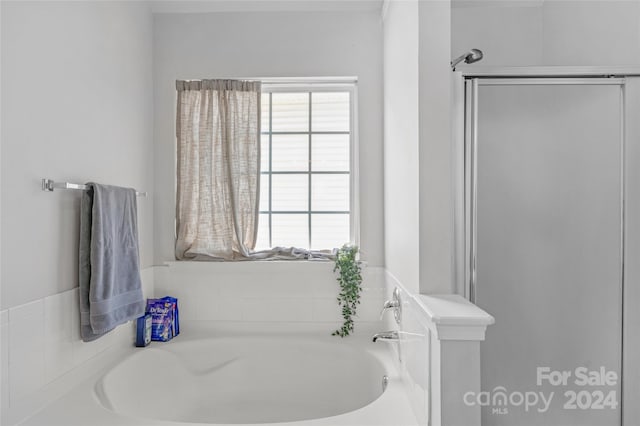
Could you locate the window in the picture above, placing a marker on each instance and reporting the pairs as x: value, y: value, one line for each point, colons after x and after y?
x: 306, y: 174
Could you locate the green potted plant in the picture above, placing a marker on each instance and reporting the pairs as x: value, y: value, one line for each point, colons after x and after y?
x: 349, y: 278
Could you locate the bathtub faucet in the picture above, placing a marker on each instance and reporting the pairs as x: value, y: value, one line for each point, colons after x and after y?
x: 386, y: 335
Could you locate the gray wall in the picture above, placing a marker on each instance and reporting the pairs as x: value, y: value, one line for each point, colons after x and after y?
x: 76, y: 106
x: 276, y: 44
x: 559, y: 32
x: 418, y: 178
x: 435, y: 148
x: 401, y: 137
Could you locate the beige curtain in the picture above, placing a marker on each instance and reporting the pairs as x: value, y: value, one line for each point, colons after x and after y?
x: 218, y: 169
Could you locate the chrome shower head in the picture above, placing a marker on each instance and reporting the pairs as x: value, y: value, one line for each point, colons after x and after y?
x: 474, y: 55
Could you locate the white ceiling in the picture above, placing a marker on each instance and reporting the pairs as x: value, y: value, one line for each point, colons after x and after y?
x: 207, y: 6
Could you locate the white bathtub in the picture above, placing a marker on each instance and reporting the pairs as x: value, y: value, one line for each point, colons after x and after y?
x: 230, y: 375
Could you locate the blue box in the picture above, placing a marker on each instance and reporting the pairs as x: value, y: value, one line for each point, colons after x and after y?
x: 176, y: 316
x: 143, y: 330
x: 162, y: 319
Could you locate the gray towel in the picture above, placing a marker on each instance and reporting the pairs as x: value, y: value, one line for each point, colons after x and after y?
x: 109, y: 270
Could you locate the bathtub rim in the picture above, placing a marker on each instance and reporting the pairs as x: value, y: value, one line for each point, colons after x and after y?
x: 376, y: 360
x: 392, y: 408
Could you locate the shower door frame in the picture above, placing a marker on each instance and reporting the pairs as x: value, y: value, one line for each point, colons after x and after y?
x: 464, y: 155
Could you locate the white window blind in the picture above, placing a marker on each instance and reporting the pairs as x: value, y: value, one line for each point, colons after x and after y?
x: 306, y: 195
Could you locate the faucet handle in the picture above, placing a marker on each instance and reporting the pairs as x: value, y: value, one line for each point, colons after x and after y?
x: 388, y: 305
x: 394, y: 304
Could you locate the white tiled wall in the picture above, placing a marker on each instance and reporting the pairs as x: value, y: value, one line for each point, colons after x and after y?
x: 414, y: 350
x: 41, y: 342
x: 26, y: 349
x: 264, y: 291
x: 58, y: 350
x: 416, y: 353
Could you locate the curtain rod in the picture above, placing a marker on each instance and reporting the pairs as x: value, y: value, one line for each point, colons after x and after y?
x: 310, y: 80
x: 296, y: 80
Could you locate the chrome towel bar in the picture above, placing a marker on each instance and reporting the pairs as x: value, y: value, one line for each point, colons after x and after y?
x: 50, y: 185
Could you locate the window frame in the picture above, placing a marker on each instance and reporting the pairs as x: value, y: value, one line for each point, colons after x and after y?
x: 323, y: 85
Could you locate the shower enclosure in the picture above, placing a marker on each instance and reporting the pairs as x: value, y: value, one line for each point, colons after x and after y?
x: 549, y: 243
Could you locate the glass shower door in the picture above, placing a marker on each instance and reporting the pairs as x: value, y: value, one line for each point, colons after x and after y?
x: 546, y: 219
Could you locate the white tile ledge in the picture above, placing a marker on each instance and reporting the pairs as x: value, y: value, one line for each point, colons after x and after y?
x: 255, y: 263
x: 233, y: 263
x: 454, y: 317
